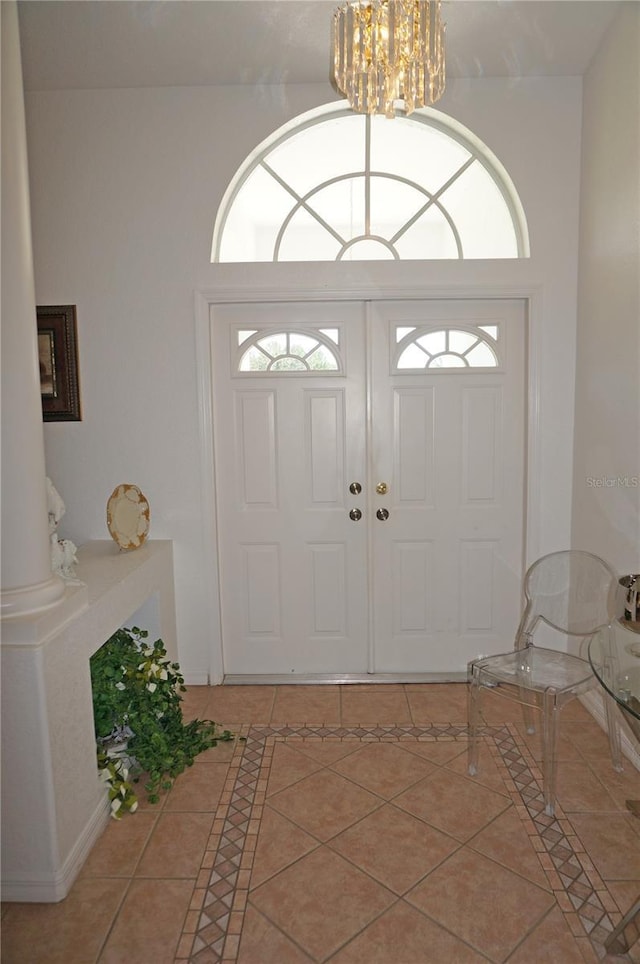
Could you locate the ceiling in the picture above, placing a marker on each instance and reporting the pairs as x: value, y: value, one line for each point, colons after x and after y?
x: 148, y: 43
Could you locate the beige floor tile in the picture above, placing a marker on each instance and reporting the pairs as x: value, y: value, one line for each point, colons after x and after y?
x: 306, y: 704
x: 497, y: 709
x: 383, y: 768
x: 280, y: 843
x: 321, y: 902
x: 324, y: 804
x: 481, y: 902
x: 327, y: 752
x: 176, y: 845
x: 589, y: 738
x: 289, y: 766
x: 579, y: 789
x: 149, y: 925
x: 240, y: 704
x: 70, y: 932
x: 440, y: 704
x: 437, y: 752
x: 194, y: 702
x: 263, y: 943
x: 394, y: 847
x: 402, y: 935
x: 198, y: 788
x: 575, y: 712
x: 551, y: 942
x: 612, y: 843
x: 506, y: 841
x: 118, y: 849
x: 620, y: 786
x: 489, y: 774
x: 565, y: 750
x: 362, y: 707
x: 456, y: 805
x: 624, y: 892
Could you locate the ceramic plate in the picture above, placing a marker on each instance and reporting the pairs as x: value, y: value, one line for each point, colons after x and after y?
x: 128, y: 516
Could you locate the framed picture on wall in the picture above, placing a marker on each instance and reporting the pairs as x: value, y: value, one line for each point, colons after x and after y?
x: 58, y: 356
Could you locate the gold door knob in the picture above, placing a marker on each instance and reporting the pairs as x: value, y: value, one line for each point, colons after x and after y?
x: 382, y: 488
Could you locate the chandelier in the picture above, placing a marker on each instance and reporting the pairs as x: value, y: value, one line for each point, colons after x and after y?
x: 389, y: 54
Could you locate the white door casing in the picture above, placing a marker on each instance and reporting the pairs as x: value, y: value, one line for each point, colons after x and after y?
x: 438, y: 581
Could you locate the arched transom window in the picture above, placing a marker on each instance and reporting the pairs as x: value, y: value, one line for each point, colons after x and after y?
x: 336, y: 186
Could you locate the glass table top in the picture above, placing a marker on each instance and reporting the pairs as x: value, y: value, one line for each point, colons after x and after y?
x: 619, y: 670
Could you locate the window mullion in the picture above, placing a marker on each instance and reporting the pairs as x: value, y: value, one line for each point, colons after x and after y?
x: 367, y: 177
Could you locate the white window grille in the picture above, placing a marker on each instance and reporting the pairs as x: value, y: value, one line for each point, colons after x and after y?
x: 335, y: 185
x: 272, y: 351
x: 464, y: 348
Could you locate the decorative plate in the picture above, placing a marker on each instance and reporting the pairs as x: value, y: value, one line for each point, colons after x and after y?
x: 128, y: 516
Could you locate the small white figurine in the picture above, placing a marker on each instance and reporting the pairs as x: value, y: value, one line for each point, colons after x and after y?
x: 63, y: 557
x: 63, y: 551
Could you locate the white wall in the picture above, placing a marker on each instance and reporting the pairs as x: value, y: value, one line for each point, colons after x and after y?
x: 125, y: 185
x: 606, y: 508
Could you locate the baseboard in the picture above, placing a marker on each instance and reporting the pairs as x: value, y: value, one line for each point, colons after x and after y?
x: 593, y: 702
x: 54, y: 887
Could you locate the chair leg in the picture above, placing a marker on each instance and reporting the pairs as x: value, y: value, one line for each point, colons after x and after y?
x: 613, y: 726
x: 524, y: 642
x: 550, y: 714
x: 473, y: 697
x: 527, y: 711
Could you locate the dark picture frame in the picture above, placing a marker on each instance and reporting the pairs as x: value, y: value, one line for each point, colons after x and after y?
x: 58, y: 357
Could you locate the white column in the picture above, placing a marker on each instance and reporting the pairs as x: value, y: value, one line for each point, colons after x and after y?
x: 28, y: 585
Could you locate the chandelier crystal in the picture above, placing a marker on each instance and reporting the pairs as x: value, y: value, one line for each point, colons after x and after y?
x: 389, y: 54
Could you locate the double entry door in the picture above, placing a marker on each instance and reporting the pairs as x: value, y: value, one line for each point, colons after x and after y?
x: 370, y: 484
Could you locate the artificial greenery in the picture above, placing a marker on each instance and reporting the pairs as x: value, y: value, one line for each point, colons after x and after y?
x: 138, y: 718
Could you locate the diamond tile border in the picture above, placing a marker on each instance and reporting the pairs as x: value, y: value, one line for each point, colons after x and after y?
x: 213, y: 924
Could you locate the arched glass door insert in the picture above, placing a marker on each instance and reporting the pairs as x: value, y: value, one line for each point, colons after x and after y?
x: 333, y: 185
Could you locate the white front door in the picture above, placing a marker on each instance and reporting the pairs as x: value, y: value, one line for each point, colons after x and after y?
x: 448, y: 445
x: 289, y: 431
x: 420, y: 400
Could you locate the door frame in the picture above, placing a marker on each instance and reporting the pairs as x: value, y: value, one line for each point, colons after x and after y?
x: 299, y: 290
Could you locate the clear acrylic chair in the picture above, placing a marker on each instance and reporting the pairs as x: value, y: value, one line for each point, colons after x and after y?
x: 572, y: 593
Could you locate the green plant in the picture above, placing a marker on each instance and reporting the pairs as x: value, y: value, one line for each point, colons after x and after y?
x: 138, y: 718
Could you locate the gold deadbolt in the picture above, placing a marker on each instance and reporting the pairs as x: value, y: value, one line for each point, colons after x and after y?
x: 382, y: 488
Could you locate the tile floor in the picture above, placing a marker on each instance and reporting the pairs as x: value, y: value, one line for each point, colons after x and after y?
x: 345, y: 829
